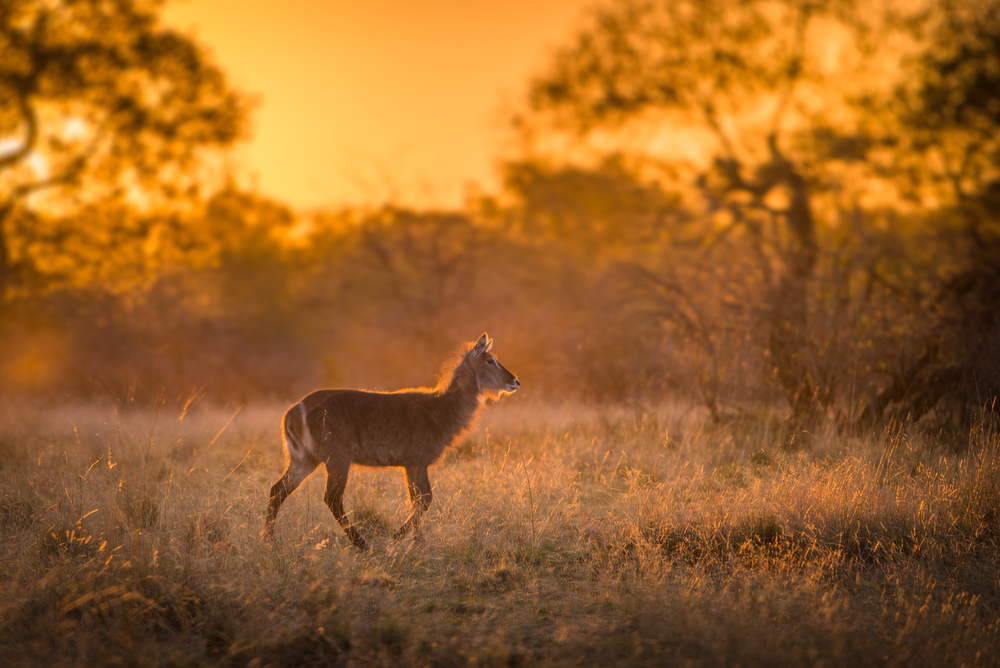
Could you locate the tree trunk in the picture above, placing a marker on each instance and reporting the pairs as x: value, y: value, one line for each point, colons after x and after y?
x: 788, y: 316
x: 5, y: 271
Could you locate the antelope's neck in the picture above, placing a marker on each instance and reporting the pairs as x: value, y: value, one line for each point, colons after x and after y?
x: 462, y: 397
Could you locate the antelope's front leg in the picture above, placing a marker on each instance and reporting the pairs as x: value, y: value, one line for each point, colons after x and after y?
x: 418, y: 485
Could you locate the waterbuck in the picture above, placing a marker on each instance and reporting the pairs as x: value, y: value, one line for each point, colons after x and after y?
x: 408, y: 428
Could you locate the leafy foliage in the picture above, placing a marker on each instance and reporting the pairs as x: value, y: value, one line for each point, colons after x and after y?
x: 810, y: 148
x: 98, y: 102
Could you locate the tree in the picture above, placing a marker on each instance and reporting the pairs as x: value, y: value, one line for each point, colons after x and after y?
x: 950, y: 111
x: 600, y: 212
x: 99, y: 102
x: 417, y: 270
x: 802, y: 139
x: 604, y: 226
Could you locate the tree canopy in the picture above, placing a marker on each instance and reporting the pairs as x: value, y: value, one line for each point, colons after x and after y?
x: 99, y: 102
x: 819, y: 126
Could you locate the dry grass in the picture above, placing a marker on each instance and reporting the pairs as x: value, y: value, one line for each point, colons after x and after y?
x: 558, y: 535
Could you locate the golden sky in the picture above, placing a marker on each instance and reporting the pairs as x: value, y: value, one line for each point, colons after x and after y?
x: 364, y: 101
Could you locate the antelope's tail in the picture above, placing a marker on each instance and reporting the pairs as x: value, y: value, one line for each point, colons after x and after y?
x: 293, y: 433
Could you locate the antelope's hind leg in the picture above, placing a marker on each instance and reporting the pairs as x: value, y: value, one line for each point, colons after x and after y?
x: 297, y: 471
x: 336, y: 483
x: 419, y: 487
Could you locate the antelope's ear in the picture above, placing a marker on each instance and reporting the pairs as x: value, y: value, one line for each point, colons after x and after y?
x: 482, y: 345
x: 489, y: 345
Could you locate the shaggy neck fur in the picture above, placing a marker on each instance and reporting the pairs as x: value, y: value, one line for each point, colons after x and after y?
x: 460, y: 390
x: 458, y: 375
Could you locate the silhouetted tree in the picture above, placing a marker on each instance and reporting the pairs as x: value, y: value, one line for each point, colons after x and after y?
x: 98, y: 101
x: 949, y: 110
x: 798, y: 131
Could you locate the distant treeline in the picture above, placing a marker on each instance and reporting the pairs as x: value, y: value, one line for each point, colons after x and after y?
x: 769, y: 204
x: 595, y: 284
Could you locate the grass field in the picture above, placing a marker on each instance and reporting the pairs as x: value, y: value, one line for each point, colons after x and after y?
x: 559, y: 535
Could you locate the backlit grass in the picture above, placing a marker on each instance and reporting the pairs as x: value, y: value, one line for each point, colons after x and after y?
x: 558, y: 534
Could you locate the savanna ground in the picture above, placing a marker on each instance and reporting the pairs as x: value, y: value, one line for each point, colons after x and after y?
x: 559, y: 535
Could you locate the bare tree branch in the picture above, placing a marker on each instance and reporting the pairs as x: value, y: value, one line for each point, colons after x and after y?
x: 30, y: 135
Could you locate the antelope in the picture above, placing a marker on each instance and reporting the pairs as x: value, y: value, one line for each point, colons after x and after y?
x: 408, y: 428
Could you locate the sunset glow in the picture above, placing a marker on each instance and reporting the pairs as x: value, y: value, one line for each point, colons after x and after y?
x: 363, y: 102
x: 260, y: 263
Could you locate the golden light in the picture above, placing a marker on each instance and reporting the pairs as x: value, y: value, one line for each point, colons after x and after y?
x: 367, y: 102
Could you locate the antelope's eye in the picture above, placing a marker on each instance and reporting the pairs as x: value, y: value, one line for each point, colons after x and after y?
x: 491, y: 360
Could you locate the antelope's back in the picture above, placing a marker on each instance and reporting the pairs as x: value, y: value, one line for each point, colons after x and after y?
x: 372, y: 428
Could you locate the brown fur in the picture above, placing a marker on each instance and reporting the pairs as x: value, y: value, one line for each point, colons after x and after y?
x: 408, y: 428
